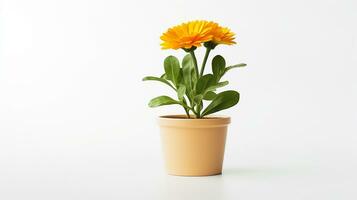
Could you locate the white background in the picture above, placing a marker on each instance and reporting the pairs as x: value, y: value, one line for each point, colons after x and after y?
x: 74, y: 121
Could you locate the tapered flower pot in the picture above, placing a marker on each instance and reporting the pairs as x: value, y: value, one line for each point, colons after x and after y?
x: 193, y: 147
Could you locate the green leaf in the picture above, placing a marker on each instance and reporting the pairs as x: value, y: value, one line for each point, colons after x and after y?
x: 218, y: 66
x: 181, y: 92
x: 198, y: 98
x: 163, y: 76
x: 172, y: 69
x: 209, y: 95
x: 188, y: 71
x: 161, y: 101
x: 200, y: 106
x: 218, y: 85
x: 181, y: 80
x: 203, y: 83
x: 222, y: 101
x: 153, y: 78
x: 184, y: 105
x: 235, y: 66
x: 191, y: 95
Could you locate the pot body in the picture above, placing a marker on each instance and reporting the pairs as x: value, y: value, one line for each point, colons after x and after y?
x: 193, y: 147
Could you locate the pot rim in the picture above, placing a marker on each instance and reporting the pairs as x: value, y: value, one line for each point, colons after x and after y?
x: 183, y: 121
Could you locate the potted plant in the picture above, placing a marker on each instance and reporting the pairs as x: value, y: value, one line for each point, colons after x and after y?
x: 193, y: 143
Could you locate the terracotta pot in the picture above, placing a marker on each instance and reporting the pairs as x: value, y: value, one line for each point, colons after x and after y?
x: 193, y: 147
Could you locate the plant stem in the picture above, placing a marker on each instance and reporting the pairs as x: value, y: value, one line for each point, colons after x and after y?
x: 198, y: 114
x: 192, y: 52
x: 208, y: 50
x: 187, y: 113
x: 187, y: 110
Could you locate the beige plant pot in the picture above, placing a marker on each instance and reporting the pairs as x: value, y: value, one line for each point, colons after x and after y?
x: 193, y: 147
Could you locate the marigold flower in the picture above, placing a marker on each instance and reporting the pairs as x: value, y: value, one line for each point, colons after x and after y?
x: 187, y: 35
x: 193, y: 33
x: 222, y: 35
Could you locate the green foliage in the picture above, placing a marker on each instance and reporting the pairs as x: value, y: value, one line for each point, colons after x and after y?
x: 194, y: 90
x: 203, y: 83
x: 189, y: 74
x: 162, y: 101
x: 213, y: 87
x: 152, y: 78
x: 218, y: 67
x: 181, y: 92
x: 172, y: 69
x: 209, y: 96
x: 235, y: 66
x: 222, y: 101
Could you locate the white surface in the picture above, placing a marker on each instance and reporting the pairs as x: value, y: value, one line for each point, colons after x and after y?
x: 74, y: 122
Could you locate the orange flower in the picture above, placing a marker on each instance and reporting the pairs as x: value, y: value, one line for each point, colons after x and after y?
x: 194, y: 33
x: 222, y: 35
x: 187, y: 35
